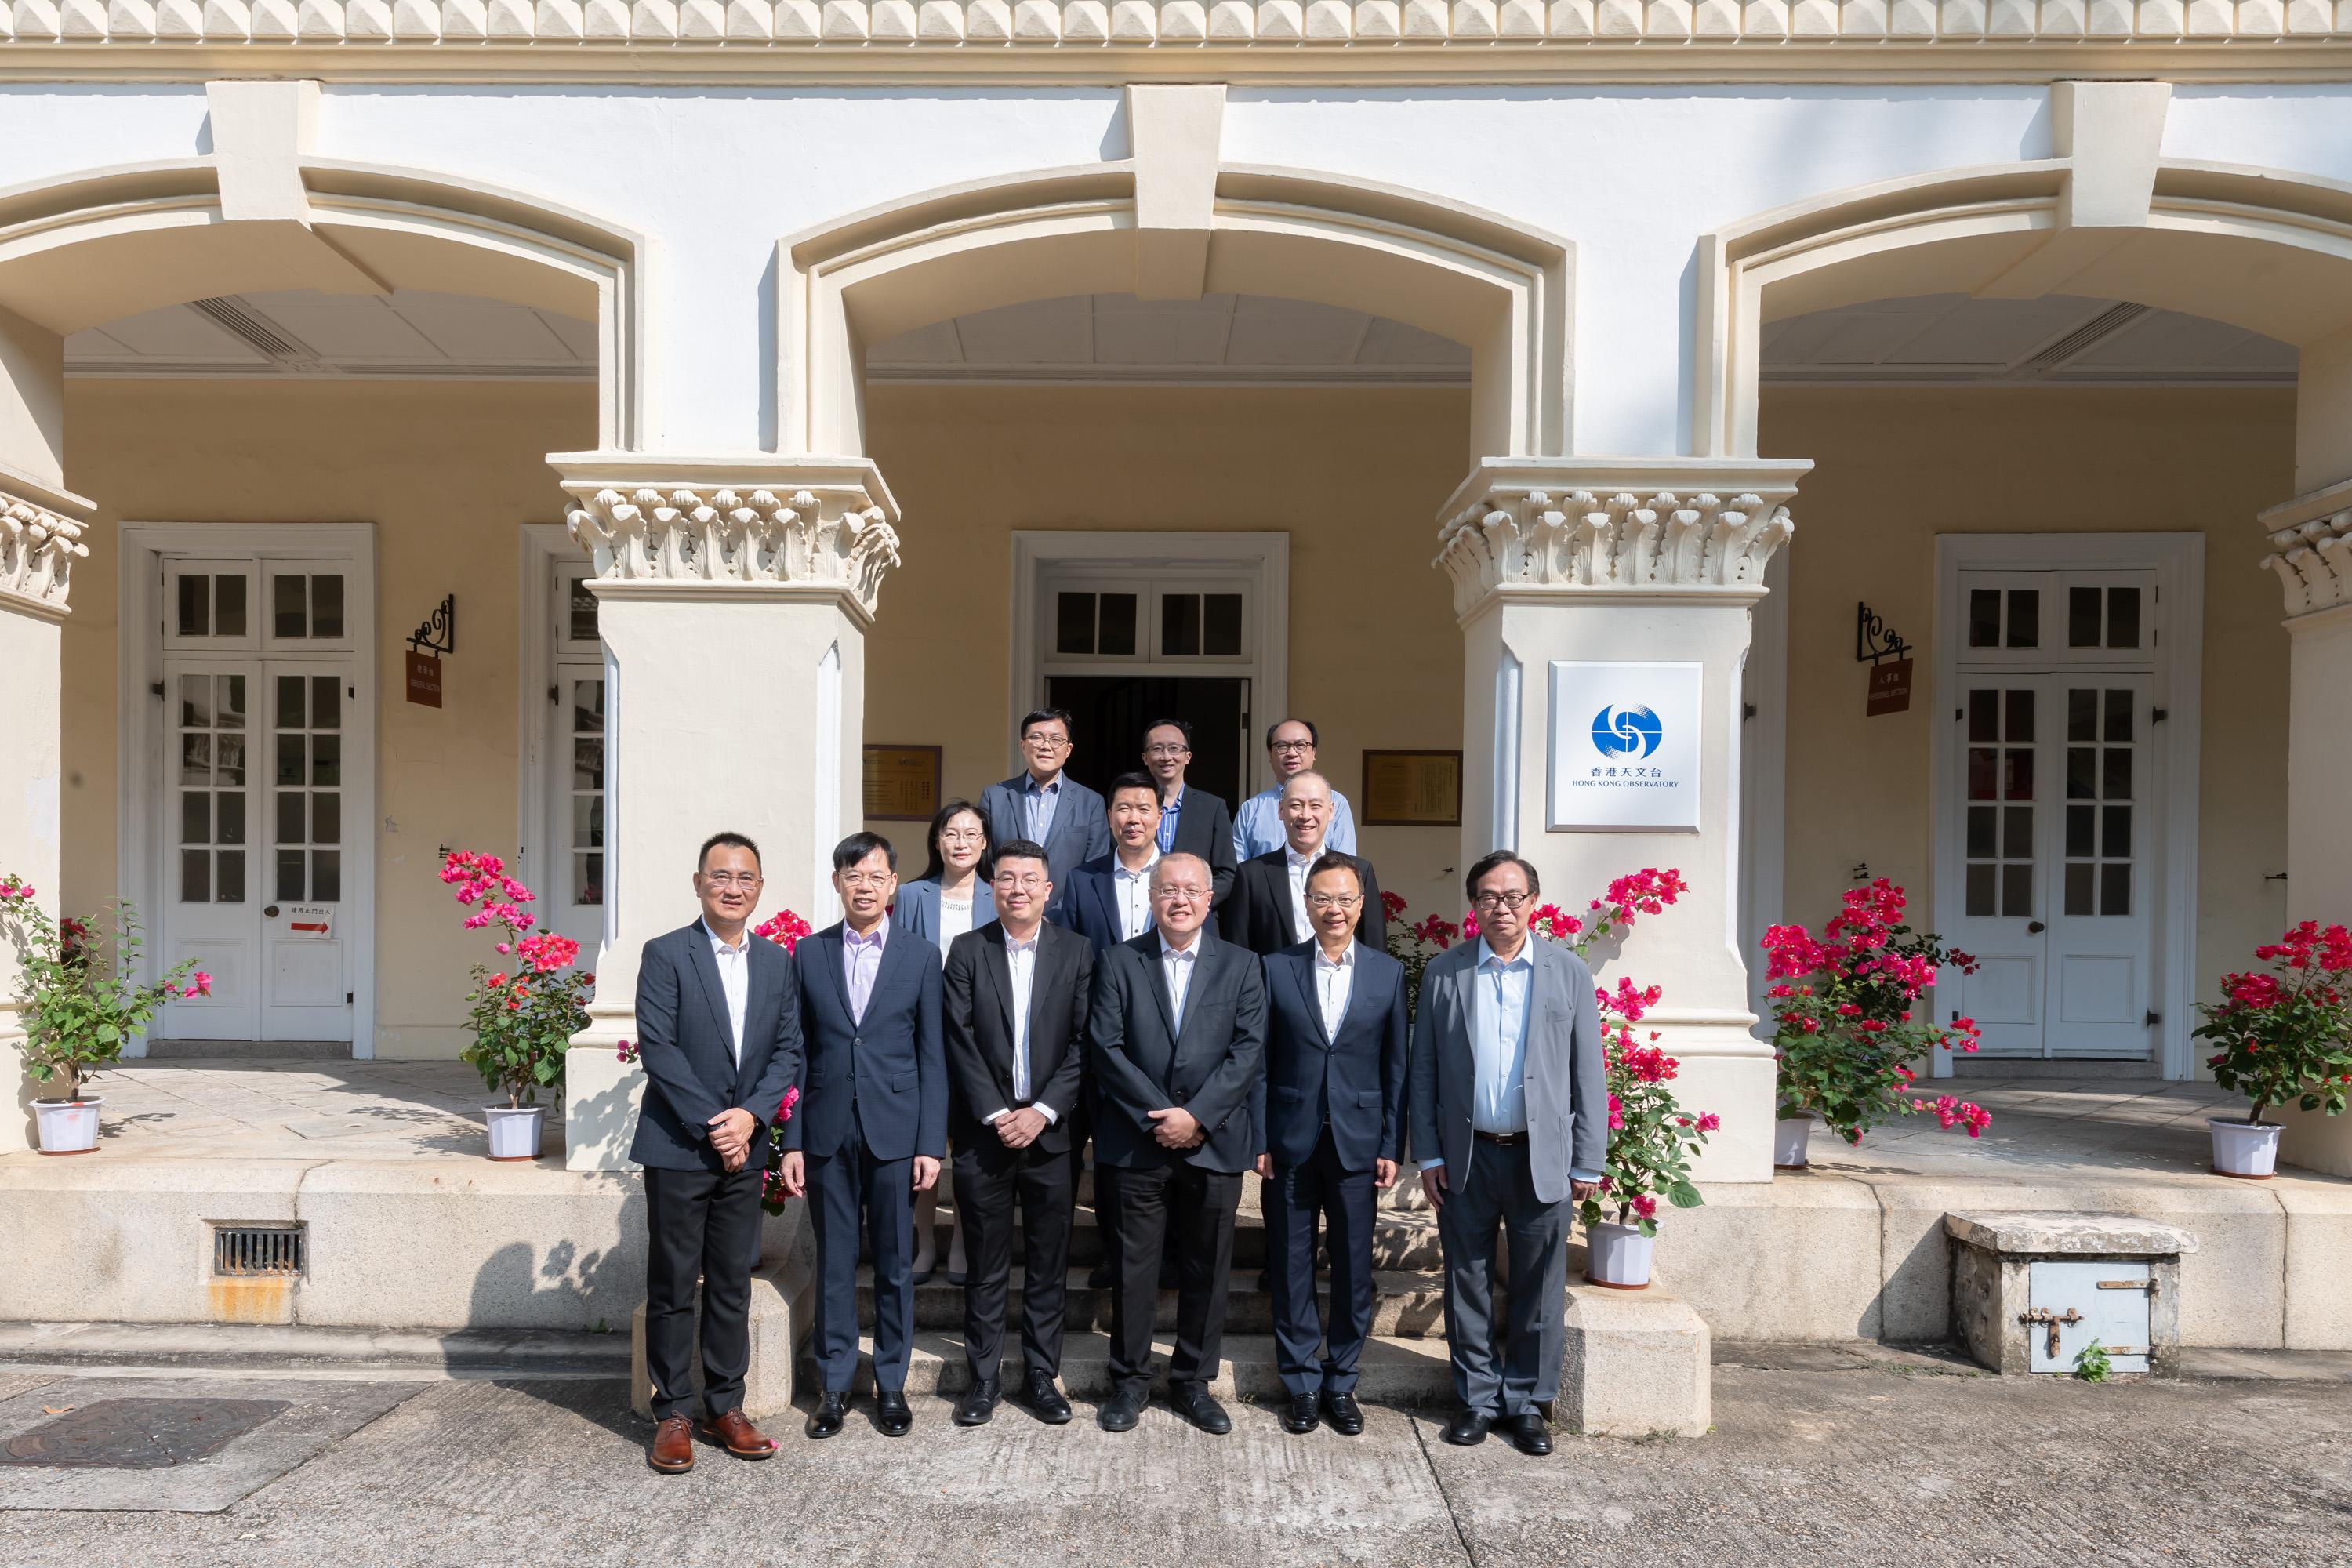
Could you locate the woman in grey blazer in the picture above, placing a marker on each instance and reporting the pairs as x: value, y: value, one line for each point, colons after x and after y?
x: 951, y: 898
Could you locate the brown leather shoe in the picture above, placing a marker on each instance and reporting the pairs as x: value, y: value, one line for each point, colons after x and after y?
x: 673, y: 1449
x: 743, y: 1440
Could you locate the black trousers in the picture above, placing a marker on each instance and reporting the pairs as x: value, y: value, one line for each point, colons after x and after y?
x: 989, y: 1184
x: 1293, y: 1199
x: 1143, y: 1204
x: 847, y: 1187
x: 700, y: 1225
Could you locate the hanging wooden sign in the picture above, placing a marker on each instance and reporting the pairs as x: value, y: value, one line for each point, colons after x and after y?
x: 425, y: 679
x: 1890, y: 688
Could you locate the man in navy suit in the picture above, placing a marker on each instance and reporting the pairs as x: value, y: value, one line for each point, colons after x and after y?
x: 1107, y: 900
x: 1192, y: 821
x: 1178, y: 1034
x: 718, y: 1034
x: 1331, y: 1120
x: 1045, y: 804
x: 872, y: 1126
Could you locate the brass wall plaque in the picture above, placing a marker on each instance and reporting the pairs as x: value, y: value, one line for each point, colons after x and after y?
x: 902, y: 783
x: 1411, y: 789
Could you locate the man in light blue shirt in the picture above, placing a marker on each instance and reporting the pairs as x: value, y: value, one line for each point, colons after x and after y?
x: 1257, y: 826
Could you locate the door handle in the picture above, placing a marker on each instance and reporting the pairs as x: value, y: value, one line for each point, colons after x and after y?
x: 270, y: 910
x: 2035, y: 928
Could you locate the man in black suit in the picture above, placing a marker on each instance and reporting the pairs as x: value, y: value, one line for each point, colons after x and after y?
x: 872, y: 1127
x: 1018, y: 995
x: 1267, y: 911
x: 1045, y: 804
x: 718, y: 1034
x: 1108, y: 900
x: 1192, y: 821
x: 1178, y: 1035
x: 1332, y: 1118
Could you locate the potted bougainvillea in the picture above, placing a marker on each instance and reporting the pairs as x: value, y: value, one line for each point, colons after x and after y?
x: 81, y: 1005
x: 523, y: 1015
x: 2286, y: 1036
x: 1850, y: 1023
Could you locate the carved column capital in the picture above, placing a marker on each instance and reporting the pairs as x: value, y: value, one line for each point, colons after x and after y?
x: 2311, y: 549
x: 1578, y: 526
x: 39, y: 542
x: 730, y: 527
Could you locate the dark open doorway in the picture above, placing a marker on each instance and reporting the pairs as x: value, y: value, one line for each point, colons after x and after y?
x: 1109, y: 712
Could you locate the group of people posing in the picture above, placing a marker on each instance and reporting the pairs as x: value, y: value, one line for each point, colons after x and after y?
x: 1196, y: 995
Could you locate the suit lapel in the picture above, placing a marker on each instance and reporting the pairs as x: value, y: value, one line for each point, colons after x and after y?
x: 1308, y: 981
x: 825, y: 949
x: 996, y: 959
x: 714, y: 994
x: 1160, y: 988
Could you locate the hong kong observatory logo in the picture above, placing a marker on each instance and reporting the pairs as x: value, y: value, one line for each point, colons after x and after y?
x: 1632, y: 732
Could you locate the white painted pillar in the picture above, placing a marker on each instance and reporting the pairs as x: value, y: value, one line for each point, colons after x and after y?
x: 734, y: 595
x: 1568, y: 558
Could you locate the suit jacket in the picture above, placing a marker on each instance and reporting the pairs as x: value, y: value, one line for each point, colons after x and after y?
x: 979, y: 1012
x: 917, y: 910
x: 1356, y: 1079
x: 1205, y: 827
x: 1089, y: 903
x: 888, y: 1069
x: 686, y: 1044
x: 1567, y: 1089
x: 1143, y: 1063
x: 1258, y: 916
x: 1081, y: 828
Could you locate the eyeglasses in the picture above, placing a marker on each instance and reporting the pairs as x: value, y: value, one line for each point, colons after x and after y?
x: 1334, y: 900
x: 1049, y: 742
x: 731, y: 879
x: 963, y: 835
x: 1168, y: 750
x: 1504, y: 900
x: 1029, y: 883
x: 1292, y: 746
x: 864, y: 879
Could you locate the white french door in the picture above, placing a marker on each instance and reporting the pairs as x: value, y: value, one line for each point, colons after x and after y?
x: 572, y: 873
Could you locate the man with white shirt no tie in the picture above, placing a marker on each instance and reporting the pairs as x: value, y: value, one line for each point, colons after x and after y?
x: 1108, y: 900
x: 1017, y: 996
x: 1267, y: 909
x: 1510, y: 1123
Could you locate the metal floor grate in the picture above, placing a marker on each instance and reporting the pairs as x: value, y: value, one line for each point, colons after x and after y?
x: 245, y: 1251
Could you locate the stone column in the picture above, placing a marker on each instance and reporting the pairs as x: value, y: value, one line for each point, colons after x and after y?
x: 734, y: 595
x: 40, y: 535
x: 1585, y: 559
x: 2310, y: 542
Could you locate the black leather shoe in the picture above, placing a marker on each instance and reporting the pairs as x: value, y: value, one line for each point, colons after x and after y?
x: 1125, y: 1409
x: 1043, y: 1400
x: 1469, y: 1429
x: 826, y: 1422
x: 1346, y: 1416
x: 1196, y: 1406
x: 978, y: 1403
x: 891, y: 1414
x: 1300, y: 1417
x: 1529, y: 1433
x: 1102, y: 1276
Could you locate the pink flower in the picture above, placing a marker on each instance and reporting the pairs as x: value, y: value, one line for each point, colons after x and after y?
x: 1708, y: 1121
x: 1646, y: 1206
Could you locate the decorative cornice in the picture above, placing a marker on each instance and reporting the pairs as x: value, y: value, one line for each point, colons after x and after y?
x: 732, y: 526
x: 37, y: 547
x: 1581, y: 527
x: 2311, y: 549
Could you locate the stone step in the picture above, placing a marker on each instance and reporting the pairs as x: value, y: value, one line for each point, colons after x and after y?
x: 278, y: 1350
x: 1393, y: 1371
x: 1402, y: 1239
x: 1405, y: 1304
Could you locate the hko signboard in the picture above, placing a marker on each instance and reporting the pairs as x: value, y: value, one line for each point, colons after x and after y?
x: 1624, y: 747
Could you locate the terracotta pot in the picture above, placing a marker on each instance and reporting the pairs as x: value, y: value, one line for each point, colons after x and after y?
x: 514, y: 1131
x: 69, y: 1126
x: 1618, y: 1256
x: 2244, y: 1149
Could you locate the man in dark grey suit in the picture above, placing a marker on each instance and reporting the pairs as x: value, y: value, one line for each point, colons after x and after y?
x: 1510, y: 1123
x: 718, y: 1034
x: 872, y: 1127
x: 1045, y: 804
x: 1178, y: 1034
x: 1266, y: 911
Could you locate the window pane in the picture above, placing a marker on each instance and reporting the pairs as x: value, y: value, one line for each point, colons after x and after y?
x: 2119, y: 715
x: 1221, y: 625
x: 195, y: 759
x: 589, y: 872
x: 1980, y: 834
x: 327, y: 818
x: 290, y: 817
x: 2025, y: 617
x: 2017, y: 890
x: 195, y: 817
x: 230, y: 712
x: 583, y: 611
x: 2114, y: 888
x: 290, y: 759
x: 1980, y: 880
x: 587, y: 822
x: 2117, y: 768
x: 2082, y: 771
x: 231, y: 889
x: 2082, y: 617
x: 230, y: 807
x: 2016, y: 783
x: 327, y: 605
x: 287, y: 611
x: 289, y: 702
x: 1074, y: 623
x: 195, y: 703
x: 587, y: 765
x: 1984, y: 715
x: 228, y: 604
x: 1984, y: 618
x: 325, y: 702
x: 1180, y: 622
x: 2078, y: 888
x: 327, y: 875
x: 2082, y: 714
x: 2020, y: 716
x: 326, y: 759
x: 289, y: 874
x: 2080, y: 821
x: 588, y: 706
x: 1984, y: 764
x: 195, y: 875
x: 2123, y: 618
x: 2017, y: 833
x: 228, y: 759
x: 1118, y: 612
x: 2115, y: 832
x: 195, y: 610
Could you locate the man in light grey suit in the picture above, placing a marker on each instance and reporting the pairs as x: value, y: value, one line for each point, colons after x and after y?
x: 1045, y: 805
x: 1510, y: 1125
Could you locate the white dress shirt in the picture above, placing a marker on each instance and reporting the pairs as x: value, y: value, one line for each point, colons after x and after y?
x: 1333, y: 982
x: 1133, y: 890
x: 1297, y: 864
x: 1176, y: 965
x: 1021, y: 958
x: 735, y: 980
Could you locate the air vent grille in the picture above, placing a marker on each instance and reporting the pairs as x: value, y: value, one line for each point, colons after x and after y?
x: 235, y: 318
x: 256, y: 1251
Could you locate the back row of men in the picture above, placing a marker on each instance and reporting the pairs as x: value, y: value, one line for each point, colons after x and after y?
x: 1137, y: 980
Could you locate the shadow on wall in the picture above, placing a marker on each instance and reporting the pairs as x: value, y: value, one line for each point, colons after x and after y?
x: 561, y: 1287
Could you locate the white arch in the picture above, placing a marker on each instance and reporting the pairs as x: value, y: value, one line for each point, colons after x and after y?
x: 1499, y: 288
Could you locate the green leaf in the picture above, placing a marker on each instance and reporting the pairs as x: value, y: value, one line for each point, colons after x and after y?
x: 1684, y: 1195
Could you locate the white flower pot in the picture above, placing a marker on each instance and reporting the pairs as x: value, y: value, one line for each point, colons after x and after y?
x: 1789, y: 1137
x: 69, y: 1126
x: 1618, y: 1256
x: 2247, y: 1149
x: 514, y: 1132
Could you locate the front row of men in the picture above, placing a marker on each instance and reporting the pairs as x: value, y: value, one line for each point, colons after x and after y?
x: 1199, y: 1060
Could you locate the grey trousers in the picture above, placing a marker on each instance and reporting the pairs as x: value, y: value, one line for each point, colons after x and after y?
x: 1508, y: 1373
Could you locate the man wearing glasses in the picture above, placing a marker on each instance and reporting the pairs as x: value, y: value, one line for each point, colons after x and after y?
x: 1045, y: 804
x: 1257, y: 827
x: 1510, y: 1123
x: 1192, y: 821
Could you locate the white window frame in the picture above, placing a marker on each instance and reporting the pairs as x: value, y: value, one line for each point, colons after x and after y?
x: 2177, y: 623
x: 544, y: 546
x: 138, y: 659
x: 1264, y: 559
